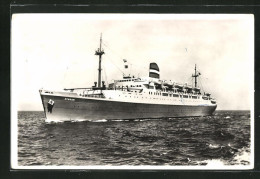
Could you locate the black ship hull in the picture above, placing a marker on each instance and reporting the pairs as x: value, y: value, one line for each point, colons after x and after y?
x: 71, y: 108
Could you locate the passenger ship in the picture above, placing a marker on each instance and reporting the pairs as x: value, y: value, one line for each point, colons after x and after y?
x: 128, y: 98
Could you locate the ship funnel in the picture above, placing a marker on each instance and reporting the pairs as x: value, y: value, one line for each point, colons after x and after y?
x: 154, y: 71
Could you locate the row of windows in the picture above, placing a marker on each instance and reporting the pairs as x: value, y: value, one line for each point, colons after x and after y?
x: 128, y: 80
x: 171, y: 95
x: 130, y: 86
x: 124, y: 80
x: 156, y: 98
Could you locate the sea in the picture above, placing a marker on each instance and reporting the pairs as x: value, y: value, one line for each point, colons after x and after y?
x: 223, y: 138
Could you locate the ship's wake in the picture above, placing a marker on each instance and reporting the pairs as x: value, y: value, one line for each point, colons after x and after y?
x: 53, y: 121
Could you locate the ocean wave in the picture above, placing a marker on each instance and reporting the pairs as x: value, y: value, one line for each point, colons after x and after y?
x: 214, y: 146
x: 223, y: 153
x: 223, y: 135
x: 100, y: 120
x: 215, y: 163
x: 50, y: 121
x: 210, y: 143
x: 242, y: 157
x: 80, y: 120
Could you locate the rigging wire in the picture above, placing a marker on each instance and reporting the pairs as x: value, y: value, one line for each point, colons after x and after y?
x: 202, y: 81
x: 105, y: 78
x: 120, y: 57
x: 115, y: 65
x: 189, y: 81
x: 112, y: 50
x: 94, y: 74
x: 207, y: 86
x: 201, y: 84
x: 111, y: 59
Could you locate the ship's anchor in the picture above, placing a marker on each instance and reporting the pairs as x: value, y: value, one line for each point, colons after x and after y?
x: 50, y: 105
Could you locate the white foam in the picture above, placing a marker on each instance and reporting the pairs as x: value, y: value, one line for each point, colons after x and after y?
x: 243, y: 156
x: 212, y: 146
x: 80, y: 120
x: 118, y: 120
x: 50, y: 121
x: 101, y: 120
x: 216, y: 163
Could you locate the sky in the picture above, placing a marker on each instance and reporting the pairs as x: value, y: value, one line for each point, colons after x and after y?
x: 56, y: 51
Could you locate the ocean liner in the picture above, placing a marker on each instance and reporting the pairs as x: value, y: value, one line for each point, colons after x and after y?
x: 128, y: 98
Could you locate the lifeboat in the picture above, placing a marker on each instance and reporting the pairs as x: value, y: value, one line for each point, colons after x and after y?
x: 178, y: 86
x: 169, y: 84
x: 196, y: 89
x: 205, y: 97
x: 213, y: 101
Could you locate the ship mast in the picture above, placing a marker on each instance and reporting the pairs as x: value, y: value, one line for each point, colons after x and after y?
x: 99, y: 52
x: 196, y: 76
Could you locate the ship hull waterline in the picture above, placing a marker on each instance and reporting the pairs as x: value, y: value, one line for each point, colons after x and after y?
x: 95, y: 109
